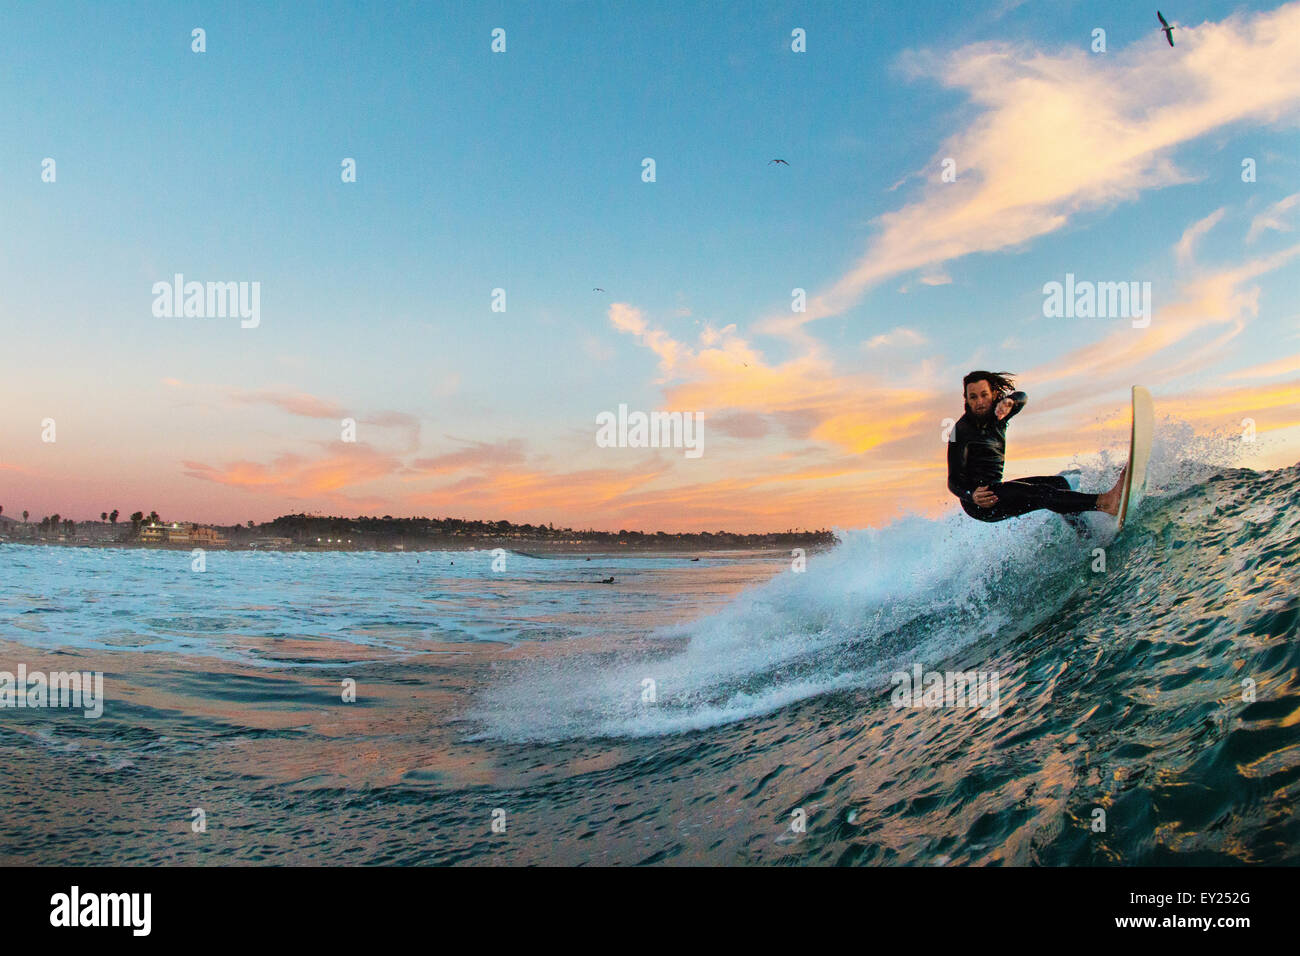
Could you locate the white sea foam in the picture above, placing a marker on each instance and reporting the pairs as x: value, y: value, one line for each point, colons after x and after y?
x: 915, y: 591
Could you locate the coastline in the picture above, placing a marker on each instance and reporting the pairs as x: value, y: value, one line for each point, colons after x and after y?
x: 538, y: 549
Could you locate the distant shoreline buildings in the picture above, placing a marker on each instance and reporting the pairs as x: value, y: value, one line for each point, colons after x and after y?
x: 182, y: 533
x: 303, y: 532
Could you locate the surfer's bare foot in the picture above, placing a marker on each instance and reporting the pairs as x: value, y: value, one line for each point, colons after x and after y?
x: 1109, y: 501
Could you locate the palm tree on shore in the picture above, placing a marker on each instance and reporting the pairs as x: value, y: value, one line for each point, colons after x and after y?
x: 103, y: 516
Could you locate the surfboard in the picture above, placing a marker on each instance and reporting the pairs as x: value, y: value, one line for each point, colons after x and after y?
x: 1139, y: 453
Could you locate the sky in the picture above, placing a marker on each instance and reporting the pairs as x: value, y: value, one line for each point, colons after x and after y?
x: 524, y: 170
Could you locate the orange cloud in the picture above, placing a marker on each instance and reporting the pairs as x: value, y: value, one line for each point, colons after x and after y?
x: 477, y: 455
x: 1126, y: 356
x: 1282, y: 366
x: 345, y: 466
x: 592, y: 493
x: 1270, y: 407
x: 299, y: 403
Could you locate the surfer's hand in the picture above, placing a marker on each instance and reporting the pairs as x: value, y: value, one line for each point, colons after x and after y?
x: 983, y: 497
x: 1003, y: 408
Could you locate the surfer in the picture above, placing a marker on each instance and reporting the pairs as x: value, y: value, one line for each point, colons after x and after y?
x: 977, y: 454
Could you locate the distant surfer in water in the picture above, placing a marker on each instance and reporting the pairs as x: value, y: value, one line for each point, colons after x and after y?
x: 977, y: 454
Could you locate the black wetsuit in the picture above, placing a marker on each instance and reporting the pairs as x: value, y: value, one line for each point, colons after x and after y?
x: 976, y: 456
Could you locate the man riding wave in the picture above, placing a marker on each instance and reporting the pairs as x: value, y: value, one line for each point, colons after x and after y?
x: 977, y: 455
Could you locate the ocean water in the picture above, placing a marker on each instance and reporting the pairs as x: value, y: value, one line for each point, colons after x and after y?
x: 691, y: 712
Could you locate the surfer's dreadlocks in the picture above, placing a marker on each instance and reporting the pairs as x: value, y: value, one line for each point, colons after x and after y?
x: 1000, y: 383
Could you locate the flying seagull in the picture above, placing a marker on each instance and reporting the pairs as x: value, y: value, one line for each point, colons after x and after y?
x: 597, y: 290
x: 781, y: 161
x: 1168, y: 30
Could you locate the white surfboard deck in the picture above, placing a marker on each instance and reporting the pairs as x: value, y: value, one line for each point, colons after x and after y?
x: 1139, y: 453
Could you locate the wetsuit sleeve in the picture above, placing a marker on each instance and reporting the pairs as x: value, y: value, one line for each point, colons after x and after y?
x: 957, y: 464
x: 1019, y: 400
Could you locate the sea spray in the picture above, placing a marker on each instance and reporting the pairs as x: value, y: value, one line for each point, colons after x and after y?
x: 917, y: 591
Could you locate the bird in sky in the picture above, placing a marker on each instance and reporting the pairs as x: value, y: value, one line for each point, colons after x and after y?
x: 597, y: 290
x: 781, y: 161
x: 1166, y: 28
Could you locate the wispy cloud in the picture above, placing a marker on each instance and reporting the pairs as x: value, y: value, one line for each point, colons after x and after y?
x: 473, y: 455
x: 1273, y: 217
x: 596, y: 493
x: 343, y: 465
x: 628, y: 319
x: 305, y: 405
x: 805, y: 395
x: 1068, y: 132
x: 1266, y: 370
x: 1185, y: 250
x: 295, y: 403
x: 899, y: 336
x: 1186, y: 336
